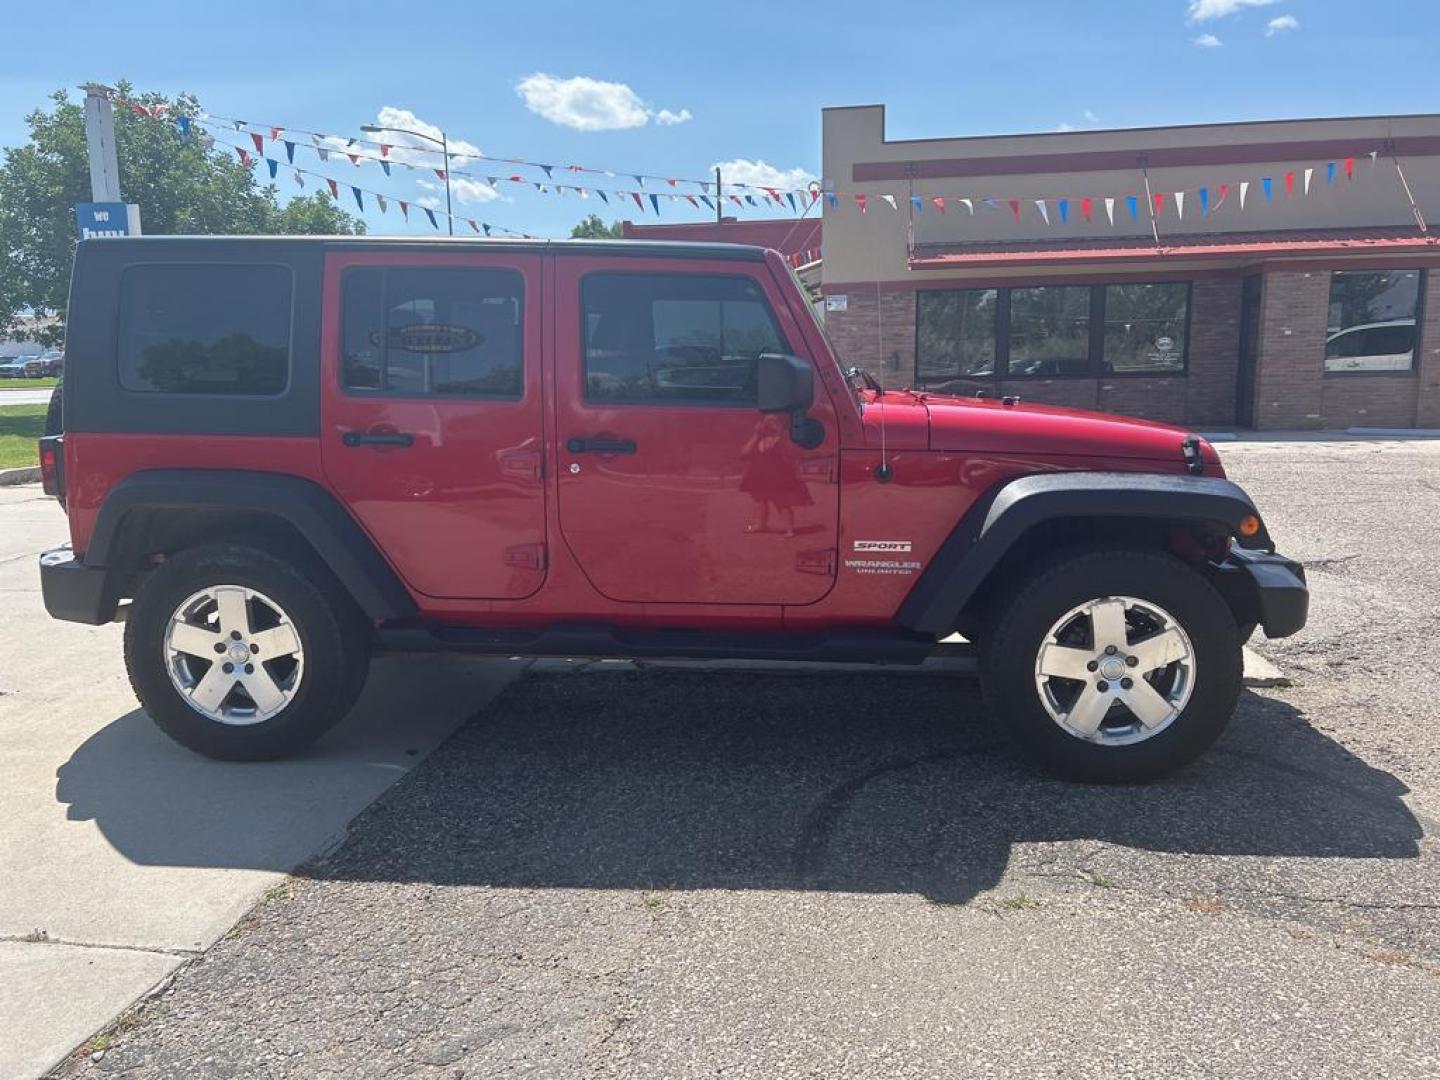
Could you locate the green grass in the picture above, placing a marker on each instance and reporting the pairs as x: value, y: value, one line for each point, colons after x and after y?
x: 20, y: 427
x: 26, y: 384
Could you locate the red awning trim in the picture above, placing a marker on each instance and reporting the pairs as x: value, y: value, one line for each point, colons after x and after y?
x: 1231, y: 246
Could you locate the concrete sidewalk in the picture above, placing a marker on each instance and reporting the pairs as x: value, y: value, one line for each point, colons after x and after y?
x: 123, y: 854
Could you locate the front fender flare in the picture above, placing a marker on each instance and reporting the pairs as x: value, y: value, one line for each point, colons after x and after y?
x: 1004, y: 514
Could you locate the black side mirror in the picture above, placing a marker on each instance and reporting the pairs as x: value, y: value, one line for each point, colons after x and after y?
x: 784, y: 383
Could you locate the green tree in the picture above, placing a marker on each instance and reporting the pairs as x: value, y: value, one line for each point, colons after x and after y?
x: 182, y: 185
x: 592, y: 228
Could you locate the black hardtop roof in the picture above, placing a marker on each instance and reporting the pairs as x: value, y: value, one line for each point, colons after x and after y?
x: 661, y: 249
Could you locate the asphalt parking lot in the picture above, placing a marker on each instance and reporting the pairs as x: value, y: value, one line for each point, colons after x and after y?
x: 612, y: 870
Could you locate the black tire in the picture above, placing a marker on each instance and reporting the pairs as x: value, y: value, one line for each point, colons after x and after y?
x: 331, y: 630
x: 1010, y: 648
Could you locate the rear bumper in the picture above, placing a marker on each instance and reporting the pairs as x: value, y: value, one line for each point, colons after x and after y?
x: 73, y: 591
x: 1281, y: 598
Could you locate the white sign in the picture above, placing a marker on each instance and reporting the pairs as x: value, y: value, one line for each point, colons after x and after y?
x: 837, y: 302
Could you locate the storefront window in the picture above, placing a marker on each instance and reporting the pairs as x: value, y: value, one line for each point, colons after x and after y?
x: 1145, y: 328
x: 955, y: 333
x: 1050, y: 330
x: 1372, y: 320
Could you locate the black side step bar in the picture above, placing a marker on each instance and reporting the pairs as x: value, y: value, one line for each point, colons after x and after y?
x: 596, y: 640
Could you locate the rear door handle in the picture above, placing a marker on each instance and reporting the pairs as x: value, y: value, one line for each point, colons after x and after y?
x: 578, y: 445
x: 378, y: 438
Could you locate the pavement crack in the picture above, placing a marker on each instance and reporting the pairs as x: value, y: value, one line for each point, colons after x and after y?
x: 42, y: 938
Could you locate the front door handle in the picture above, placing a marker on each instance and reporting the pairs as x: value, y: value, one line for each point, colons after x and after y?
x: 378, y: 438
x: 578, y: 445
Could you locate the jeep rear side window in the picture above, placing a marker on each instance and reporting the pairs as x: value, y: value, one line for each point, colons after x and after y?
x: 205, y: 329
x: 682, y: 338
x: 415, y: 333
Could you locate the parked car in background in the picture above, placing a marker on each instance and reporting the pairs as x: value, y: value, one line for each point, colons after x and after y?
x: 1375, y: 346
x: 47, y: 365
x: 14, y: 367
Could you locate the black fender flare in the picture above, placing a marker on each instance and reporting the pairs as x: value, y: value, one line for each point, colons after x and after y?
x: 1005, y: 513
x: 303, y: 504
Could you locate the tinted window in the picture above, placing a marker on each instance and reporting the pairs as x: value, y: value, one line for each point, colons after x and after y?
x: 415, y: 332
x: 205, y: 329
x: 1372, y: 320
x: 1145, y: 327
x: 955, y: 333
x: 1050, y: 330
x: 682, y: 338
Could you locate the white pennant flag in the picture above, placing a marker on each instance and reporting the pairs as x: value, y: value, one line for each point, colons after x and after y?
x: 1374, y: 156
x: 891, y: 200
x: 381, y: 200
x: 1180, y: 205
x: 1110, y: 210
x: 969, y: 204
x: 299, y: 179
x: 1044, y: 210
x: 324, y: 154
x: 1308, y: 173
x: 1244, y: 187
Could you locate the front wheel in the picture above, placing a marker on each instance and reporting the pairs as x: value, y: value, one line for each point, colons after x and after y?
x: 1114, y: 666
x: 243, y: 656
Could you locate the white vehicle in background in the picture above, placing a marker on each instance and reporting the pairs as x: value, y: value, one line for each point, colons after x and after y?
x: 1377, y: 346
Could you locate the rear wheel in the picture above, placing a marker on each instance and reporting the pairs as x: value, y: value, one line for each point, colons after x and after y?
x: 1114, y: 666
x: 240, y: 655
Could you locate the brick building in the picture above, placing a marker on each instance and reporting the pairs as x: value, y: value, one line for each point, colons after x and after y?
x: 1117, y: 270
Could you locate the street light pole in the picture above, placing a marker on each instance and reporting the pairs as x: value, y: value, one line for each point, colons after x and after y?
x: 443, y: 143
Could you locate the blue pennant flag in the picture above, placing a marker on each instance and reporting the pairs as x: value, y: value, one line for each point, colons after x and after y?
x: 486, y: 228
x: 832, y: 199
x: 989, y: 201
x: 549, y: 170
x: 1204, y: 202
x: 290, y: 152
x: 1064, y: 205
x: 655, y: 202
x: 1133, y: 205
x: 639, y: 179
x: 751, y: 200
x: 1329, y: 173
x: 182, y: 125
x: 273, y: 165
x: 917, y: 203
x: 1269, y: 186
x: 706, y: 200
x: 431, y: 215
x: 386, y: 166
x: 603, y: 197
x: 358, y: 200
x: 791, y: 196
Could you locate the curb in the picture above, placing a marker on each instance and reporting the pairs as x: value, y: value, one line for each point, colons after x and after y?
x: 13, y: 477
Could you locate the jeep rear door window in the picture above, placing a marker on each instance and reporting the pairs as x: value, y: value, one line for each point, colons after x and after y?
x: 205, y: 329
x: 1372, y: 321
x: 444, y: 331
x: 682, y: 338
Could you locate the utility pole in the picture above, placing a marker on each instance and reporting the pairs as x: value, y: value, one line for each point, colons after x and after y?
x: 718, y: 209
x: 100, y: 220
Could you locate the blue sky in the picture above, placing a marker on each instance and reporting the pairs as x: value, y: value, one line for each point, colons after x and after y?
x: 683, y: 86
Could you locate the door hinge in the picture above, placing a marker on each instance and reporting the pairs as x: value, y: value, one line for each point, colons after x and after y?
x: 817, y: 561
x: 525, y: 556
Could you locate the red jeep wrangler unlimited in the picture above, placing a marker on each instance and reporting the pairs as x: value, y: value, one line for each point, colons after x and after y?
x: 280, y: 455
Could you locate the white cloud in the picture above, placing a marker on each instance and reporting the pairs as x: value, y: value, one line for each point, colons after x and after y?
x: 1280, y: 24
x: 1064, y: 125
x: 759, y: 174
x: 1203, y: 10
x: 1208, y: 41
x: 587, y: 104
x: 407, y: 149
x: 463, y: 189
x: 1090, y: 117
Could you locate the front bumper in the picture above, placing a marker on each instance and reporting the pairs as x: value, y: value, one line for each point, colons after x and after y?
x: 1275, y: 587
x: 73, y: 591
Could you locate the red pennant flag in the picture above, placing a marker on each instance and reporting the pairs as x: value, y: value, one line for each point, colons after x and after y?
x: 440, y: 173
x: 938, y: 202
x: 669, y: 181
x: 139, y: 110
x: 1159, y: 203
x: 1015, y: 209
x: 516, y: 179
x: 1349, y: 168
x: 1087, y: 207
x: 736, y: 200
x: 354, y: 159
x: 384, y: 149
x: 773, y: 193
x: 244, y: 155
x: 636, y: 196
x: 405, y: 210
x: 274, y: 134
x: 258, y: 141
x: 334, y: 189
x: 1224, y: 190
x: 1290, y: 182
x: 692, y: 201
x: 860, y: 200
